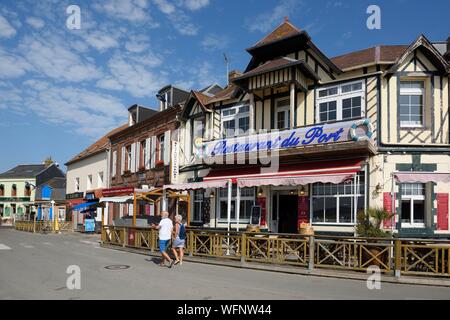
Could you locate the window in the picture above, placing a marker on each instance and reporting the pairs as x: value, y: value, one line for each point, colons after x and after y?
x: 247, y: 201
x: 160, y: 148
x: 341, y: 102
x: 412, y: 95
x: 128, y: 158
x: 2, y: 190
x: 77, y: 184
x: 114, y: 164
x: 199, y: 196
x: 89, y: 182
x: 334, y: 203
x: 100, y: 180
x: 142, y: 154
x: 27, y: 191
x: 14, y: 191
x: 413, y: 205
x: 197, y: 131
x: 235, y: 121
x: 283, y: 114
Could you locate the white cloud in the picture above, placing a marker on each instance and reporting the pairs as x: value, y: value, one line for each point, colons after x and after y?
x: 109, y: 83
x: 35, y: 22
x: 137, y: 43
x: 12, y: 66
x: 6, y: 30
x: 194, y: 4
x: 101, y: 40
x: 86, y: 112
x: 133, y: 77
x: 213, y: 42
x: 165, y: 6
x: 266, y: 21
x: 53, y: 58
x: 131, y: 10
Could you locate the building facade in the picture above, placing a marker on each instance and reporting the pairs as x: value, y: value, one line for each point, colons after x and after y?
x: 87, y: 174
x: 18, y: 189
x: 304, y: 138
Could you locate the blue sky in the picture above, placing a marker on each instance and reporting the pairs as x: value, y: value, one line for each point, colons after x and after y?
x: 62, y: 89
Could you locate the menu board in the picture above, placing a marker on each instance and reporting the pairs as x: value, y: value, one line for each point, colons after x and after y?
x: 255, y: 218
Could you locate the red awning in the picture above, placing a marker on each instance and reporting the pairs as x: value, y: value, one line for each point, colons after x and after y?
x: 422, y: 177
x: 197, y: 185
x: 290, y: 175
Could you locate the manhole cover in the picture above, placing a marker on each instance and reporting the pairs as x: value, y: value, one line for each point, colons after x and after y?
x: 117, y: 267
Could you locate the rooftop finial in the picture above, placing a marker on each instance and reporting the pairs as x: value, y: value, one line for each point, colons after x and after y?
x: 286, y: 19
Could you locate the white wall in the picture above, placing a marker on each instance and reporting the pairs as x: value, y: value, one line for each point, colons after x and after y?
x: 89, y: 166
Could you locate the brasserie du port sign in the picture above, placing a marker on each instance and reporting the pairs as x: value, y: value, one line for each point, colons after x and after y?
x: 293, y: 138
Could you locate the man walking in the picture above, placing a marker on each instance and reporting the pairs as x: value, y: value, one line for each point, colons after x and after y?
x: 165, y: 228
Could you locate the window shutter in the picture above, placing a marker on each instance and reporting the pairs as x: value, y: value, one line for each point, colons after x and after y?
x: 114, y: 163
x: 122, y: 161
x: 133, y: 158
x: 387, y: 204
x: 138, y: 155
x: 147, y: 153
x: 442, y: 211
x: 153, y: 153
x: 167, y: 148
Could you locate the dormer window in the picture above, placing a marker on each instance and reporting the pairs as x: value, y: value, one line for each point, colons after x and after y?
x: 132, y: 118
x: 165, y: 99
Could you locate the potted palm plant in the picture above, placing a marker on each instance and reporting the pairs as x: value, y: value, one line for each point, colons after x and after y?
x: 368, y: 225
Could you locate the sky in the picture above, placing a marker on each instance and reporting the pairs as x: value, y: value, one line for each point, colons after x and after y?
x: 61, y: 89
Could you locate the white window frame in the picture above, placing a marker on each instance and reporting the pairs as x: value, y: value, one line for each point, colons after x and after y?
x: 350, y: 195
x: 89, y: 182
x: 77, y: 184
x: 412, y: 92
x: 235, y: 116
x: 412, y: 198
x: 161, y: 148
x: 100, y: 176
x: 243, y: 197
x: 339, y: 98
x: 200, y: 203
x: 287, y: 109
x: 128, y: 155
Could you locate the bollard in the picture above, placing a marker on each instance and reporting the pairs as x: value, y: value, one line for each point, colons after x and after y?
x: 311, y: 253
x: 398, y: 258
x: 125, y: 237
x: 243, y: 247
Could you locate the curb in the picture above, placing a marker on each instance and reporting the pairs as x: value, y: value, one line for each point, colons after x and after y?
x: 349, y: 275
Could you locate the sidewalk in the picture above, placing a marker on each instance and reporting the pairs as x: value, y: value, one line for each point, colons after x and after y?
x: 352, y: 275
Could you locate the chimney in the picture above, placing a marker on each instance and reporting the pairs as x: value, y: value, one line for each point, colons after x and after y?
x: 233, y: 74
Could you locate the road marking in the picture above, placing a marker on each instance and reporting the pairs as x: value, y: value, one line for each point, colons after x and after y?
x: 4, y: 247
x: 26, y: 245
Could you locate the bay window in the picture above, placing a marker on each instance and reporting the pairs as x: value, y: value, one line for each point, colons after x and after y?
x: 247, y: 201
x: 235, y: 121
x: 413, y: 205
x: 412, y: 95
x: 341, y: 102
x: 335, y: 203
x: 199, y: 198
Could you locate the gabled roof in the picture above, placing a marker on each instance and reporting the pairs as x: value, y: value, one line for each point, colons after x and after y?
x: 230, y: 92
x: 211, y: 90
x: 278, y: 64
x: 429, y: 50
x: 23, y: 171
x: 98, y: 146
x: 374, y: 55
x: 284, y: 30
x: 193, y: 97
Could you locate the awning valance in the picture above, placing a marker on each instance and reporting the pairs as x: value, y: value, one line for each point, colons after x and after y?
x: 84, y: 205
x: 295, y: 181
x: 197, y: 185
x: 118, y: 199
x: 422, y: 177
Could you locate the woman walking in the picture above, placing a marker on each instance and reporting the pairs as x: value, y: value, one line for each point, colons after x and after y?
x: 180, y: 238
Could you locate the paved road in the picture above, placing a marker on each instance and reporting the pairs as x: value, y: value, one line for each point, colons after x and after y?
x: 33, y: 266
